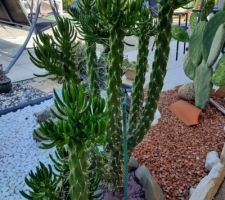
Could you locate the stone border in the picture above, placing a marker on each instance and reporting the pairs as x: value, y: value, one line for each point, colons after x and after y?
x: 209, y: 185
x: 25, y: 104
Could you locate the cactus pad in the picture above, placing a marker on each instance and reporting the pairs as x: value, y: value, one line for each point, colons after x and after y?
x: 217, y: 45
x: 210, y: 31
x: 202, y: 84
x: 219, y: 74
x: 189, y: 68
x: 195, y: 44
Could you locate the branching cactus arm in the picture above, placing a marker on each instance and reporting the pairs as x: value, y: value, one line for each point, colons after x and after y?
x: 145, y: 29
x: 158, y: 69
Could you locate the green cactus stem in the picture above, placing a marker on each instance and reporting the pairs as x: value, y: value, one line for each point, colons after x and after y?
x: 137, y: 96
x: 158, y: 72
x: 114, y: 91
x: 92, y: 68
x: 78, y: 177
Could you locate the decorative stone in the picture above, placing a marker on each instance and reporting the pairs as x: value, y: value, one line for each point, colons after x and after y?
x: 212, y: 158
x: 187, y: 91
x: 209, y: 185
x: 133, y: 164
x: 46, y: 114
x: 43, y: 115
x: 151, y: 187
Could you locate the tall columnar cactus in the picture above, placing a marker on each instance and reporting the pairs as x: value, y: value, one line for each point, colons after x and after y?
x: 120, y: 15
x: 144, y: 30
x: 158, y: 68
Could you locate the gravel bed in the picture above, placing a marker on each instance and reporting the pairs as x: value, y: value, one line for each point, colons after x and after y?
x: 19, y: 153
x: 21, y: 93
x: 175, y: 153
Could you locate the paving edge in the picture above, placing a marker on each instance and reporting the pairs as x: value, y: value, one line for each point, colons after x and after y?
x: 210, y: 184
x: 25, y: 104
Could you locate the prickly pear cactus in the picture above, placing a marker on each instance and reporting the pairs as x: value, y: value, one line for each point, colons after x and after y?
x: 189, y: 68
x: 219, y: 74
x: 217, y: 45
x: 195, y: 44
x: 210, y: 31
x: 202, y: 84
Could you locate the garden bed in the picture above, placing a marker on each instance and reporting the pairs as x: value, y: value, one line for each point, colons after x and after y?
x: 175, y: 153
x: 21, y: 94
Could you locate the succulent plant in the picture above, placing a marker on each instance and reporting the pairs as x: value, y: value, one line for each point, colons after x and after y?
x: 205, y: 45
x: 83, y: 120
x: 43, y: 184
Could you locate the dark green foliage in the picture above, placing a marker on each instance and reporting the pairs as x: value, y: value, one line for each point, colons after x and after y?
x: 179, y: 33
x: 59, y: 55
x: 145, y: 30
x: 158, y: 71
x: 207, y: 9
x: 43, y: 184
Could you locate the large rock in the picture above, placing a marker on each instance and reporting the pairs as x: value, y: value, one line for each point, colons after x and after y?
x: 46, y: 114
x: 209, y: 185
x: 151, y: 187
x: 212, y: 158
x: 133, y: 163
x: 187, y: 91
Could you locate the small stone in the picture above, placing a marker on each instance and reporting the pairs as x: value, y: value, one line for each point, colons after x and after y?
x: 212, y: 158
x: 187, y: 91
x: 151, y: 187
x: 133, y: 164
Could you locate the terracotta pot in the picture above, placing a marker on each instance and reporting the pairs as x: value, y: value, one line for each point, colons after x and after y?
x: 186, y: 112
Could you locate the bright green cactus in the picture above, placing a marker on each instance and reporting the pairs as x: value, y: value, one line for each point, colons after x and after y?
x: 81, y: 124
x: 44, y: 184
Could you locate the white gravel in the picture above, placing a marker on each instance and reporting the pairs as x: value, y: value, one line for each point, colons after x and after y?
x: 19, y: 153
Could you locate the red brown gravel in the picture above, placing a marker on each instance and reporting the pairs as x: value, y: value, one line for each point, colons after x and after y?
x: 175, y: 153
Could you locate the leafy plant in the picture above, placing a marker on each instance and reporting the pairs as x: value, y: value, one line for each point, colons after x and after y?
x: 43, y: 184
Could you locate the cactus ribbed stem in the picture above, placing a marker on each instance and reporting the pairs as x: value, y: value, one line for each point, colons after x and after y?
x: 114, y: 91
x: 92, y: 68
x: 158, y: 72
x: 78, y: 177
x: 137, y: 95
